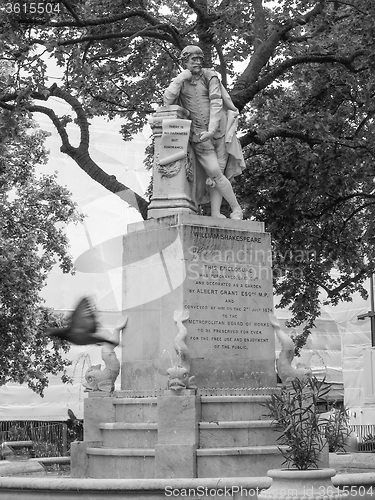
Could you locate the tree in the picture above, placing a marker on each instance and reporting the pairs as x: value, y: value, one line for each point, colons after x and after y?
x: 299, y: 71
x: 32, y: 212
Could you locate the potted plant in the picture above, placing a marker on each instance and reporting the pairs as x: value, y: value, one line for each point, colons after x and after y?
x: 341, y: 438
x: 295, y: 410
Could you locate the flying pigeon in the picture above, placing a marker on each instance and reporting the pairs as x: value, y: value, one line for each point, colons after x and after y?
x: 82, y: 328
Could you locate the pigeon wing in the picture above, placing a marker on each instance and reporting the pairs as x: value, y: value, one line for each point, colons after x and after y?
x: 83, y: 319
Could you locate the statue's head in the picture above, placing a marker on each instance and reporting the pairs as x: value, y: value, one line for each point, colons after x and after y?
x: 191, y: 50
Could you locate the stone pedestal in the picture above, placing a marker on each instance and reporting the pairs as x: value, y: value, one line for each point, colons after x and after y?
x: 220, y: 271
x: 178, y: 420
x: 174, y: 185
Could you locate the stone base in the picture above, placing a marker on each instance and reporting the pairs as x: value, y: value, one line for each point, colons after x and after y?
x: 198, y: 294
x: 219, y: 271
x: 177, y: 435
x: 165, y: 206
x: 175, y: 460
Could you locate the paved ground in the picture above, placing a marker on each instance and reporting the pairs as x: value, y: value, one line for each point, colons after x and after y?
x: 349, y: 463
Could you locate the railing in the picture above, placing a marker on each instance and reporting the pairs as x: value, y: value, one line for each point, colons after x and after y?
x: 48, y: 438
x: 366, y: 437
x: 38, y: 439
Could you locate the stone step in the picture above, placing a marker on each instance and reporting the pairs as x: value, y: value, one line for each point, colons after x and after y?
x: 129, y: 435
x: 233, y: 408
x: 240, y: 433
x: 214, y: 408
x: 135, y: 409
x: 247, y: 461
x: 121, y: 463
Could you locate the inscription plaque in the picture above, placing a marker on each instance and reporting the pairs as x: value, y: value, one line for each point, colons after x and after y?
x: 228, y: 292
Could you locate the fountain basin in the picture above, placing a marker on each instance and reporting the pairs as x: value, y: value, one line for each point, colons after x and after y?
x: 30, y: 488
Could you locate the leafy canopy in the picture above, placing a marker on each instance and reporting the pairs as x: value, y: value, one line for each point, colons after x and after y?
x: 300, y: 72
x: 33, y: 211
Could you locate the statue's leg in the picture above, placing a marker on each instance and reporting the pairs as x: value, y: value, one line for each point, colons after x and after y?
x: 226, y: 190
x: 207, y: 157
x: 216, y: 199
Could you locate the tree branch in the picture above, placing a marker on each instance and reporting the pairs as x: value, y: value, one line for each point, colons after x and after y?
x: 242, y: 97
x: 194, y: 5
x: 355, y: 279
x: 70, y: 9
x: 223, y: 66
x: 261, y: 137
x: 265, y: 49
x: 110, y: 36
x: 79, y: 23
x: 298, y: 39
x: 365, y: 120
x: 79, y: 154
x: 259, y: 23
x: 350, y: 4
x: 143, y: 32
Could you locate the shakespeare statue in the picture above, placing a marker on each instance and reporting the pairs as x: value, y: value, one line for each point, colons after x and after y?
x: 213, y: 129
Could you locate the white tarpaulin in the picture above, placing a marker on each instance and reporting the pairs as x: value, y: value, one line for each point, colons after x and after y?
x: 322, y: 352
x: 18, y: 402
x: 339, y: 342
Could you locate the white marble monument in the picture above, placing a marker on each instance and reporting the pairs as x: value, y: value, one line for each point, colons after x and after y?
x: 198, y: 353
